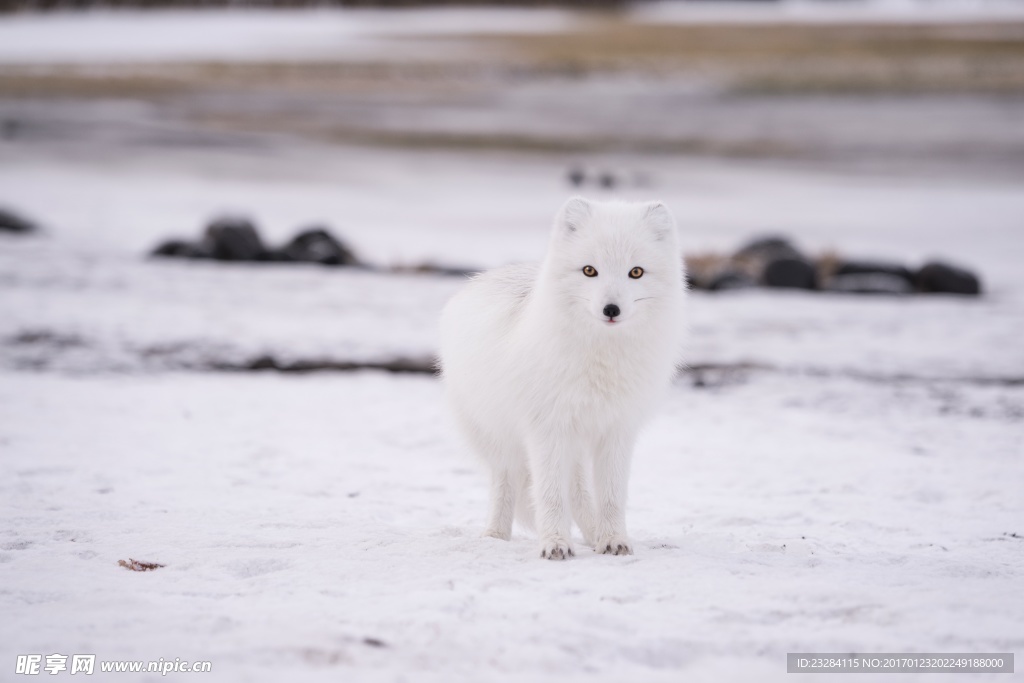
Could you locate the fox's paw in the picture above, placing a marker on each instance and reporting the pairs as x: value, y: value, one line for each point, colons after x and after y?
x: 556, y: 549
x: 616, y: 545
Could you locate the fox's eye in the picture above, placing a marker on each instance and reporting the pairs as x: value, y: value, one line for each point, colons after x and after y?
x: 636, y: 273
x: 590, y: 271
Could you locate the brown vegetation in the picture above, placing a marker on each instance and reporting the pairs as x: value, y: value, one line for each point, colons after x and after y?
x: 136, y: 566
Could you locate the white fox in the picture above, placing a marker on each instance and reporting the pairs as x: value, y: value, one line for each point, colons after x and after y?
x: 551, y: 370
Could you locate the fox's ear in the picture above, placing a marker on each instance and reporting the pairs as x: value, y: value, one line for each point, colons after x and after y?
x: 660, y: 220
x: 574, y: 215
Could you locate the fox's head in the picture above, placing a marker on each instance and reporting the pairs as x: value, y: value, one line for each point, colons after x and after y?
x: 614, y: 260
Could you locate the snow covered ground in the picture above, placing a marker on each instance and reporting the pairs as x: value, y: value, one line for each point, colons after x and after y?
x: 859, y: 492
x: 162, y: 36
x: 300, y: 516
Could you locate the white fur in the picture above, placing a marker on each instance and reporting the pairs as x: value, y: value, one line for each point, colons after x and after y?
x: 549, y: 392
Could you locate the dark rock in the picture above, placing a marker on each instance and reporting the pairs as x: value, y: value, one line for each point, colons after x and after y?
x: 435, y: 269
x: 400, y: 365
x: 12, y: 222
x: 870, y: 283
x: 45, y: 337
x: 233, y: 239
x: 937, y: 277
x: 607, y: 180
x: 264, y: 363
x: 731, y: 279
x: 768, y: 248
x: 868, y: 267
x: 182, y: 249
x: 276, y: 256
x: 789, y: 272
x: 773, y: 261
x: 10, y: 128
x: 317, y: 245
x: 577, y: 176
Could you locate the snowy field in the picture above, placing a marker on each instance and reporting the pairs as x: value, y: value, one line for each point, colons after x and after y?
x: 848, y: 477
x: 831, y: 474
x: 299, y: 517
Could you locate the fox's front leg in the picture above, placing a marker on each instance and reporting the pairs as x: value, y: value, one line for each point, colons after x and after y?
x: 551, y: 469
x: 583, y: 504
x: 611, y: 480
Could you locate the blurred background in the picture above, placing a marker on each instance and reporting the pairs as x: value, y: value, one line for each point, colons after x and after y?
x: 212, y: 212
x: 872, y: 137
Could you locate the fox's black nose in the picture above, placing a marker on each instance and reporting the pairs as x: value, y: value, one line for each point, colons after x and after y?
x: 611, y: 310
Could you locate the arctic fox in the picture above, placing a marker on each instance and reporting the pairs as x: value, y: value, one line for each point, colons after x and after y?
x: 551, y: 370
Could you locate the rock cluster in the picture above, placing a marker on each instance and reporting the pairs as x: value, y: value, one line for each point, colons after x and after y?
x: 237, y: 239
x: 771, y: 261
x: 12, y: 222
x: 774, y: 261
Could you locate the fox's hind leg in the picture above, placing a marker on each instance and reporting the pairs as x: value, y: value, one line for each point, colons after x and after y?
x: 503, y: 503
x: 526, y: 514
x: 505, y: 475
